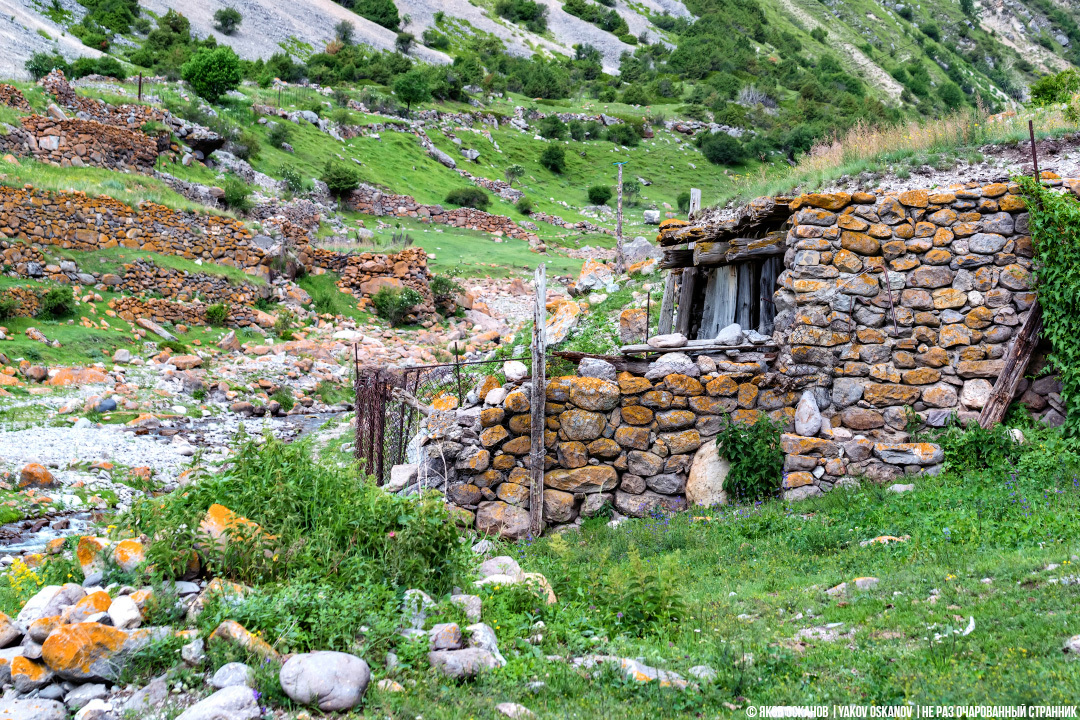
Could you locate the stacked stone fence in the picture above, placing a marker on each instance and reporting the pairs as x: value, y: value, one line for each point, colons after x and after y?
x: 12, y: 97
x: 28, y: 299
x: 80, y: 143
x: 372, y: 201
x: 143, y: 277
x: 365, y: 274
x: 126, y: 116
x: 164, y: 311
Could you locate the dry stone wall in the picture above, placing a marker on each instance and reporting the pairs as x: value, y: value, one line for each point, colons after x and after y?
x: 626, y: 440
x: 12, y: 97
x: 372, y: 201
x: 81, y: 143
x: 164, y: 311
x: 893, y: 304
x: 141, y: 277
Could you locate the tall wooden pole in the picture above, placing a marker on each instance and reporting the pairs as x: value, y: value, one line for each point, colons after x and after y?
x: 537, y: 401
x: 620, y: 257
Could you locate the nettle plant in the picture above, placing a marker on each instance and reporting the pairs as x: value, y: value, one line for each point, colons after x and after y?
x: 1055, y: 234
x: 757, y: 462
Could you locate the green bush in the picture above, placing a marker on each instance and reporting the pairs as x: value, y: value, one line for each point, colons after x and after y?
x: 973, y: 448
x: 382, y: 12
x: 212, y: 73
x: 470, y: 196
x: 292, y: 178
x: 524, y: 205
x: 41, y: 64
x: 316, y: 522
x: 513, y: 173
x: 394, y: 304
x: 1051, y: 89
x: 623, y: 134
x: 532, y: 15
x: 226, y: 20
x: 635, y: 95
x: 412, y: 87
x: 757, y: 462
x: 57, y: 302
x: 237, y: 194
x: 600, y: 194
x: 217, y: 314
x: 283, y: 396
x: 444, y: 288
x: 340, y: 178
x: 552, y: 128
x: 722, y: 149
x: 279, y: 134
x: 553, y: 158
x: 683, y: 201
x: 8, y: 307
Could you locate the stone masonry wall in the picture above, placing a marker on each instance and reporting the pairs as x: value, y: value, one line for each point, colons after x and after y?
x: 160, y: 311
x: 628, y: 440
x: 12, y: 97
x: 372, y: 201
x: 958, y: 264
x: 81, y: 143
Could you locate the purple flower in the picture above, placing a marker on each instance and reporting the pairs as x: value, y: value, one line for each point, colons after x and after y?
x: 618, y: 615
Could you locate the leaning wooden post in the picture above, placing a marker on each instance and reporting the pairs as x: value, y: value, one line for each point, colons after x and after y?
x: 536, y: 402
x: 1012, y: 370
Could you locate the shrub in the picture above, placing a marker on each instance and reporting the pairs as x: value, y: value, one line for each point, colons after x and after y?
x: 312, y: 517
x: 394, y: 304
x: 212, y: 73
x: 820, y: 34
x: 237, y: 194
x: 344, y: 32
x: 278, y: 135
x: 722, y: 149
x: 600, y: 194
x: 635, y: 95
x: 444, y: 288
x: 552, y: 128
x: 1049, y: 90
x: 292, y: 178
x: 404, y: 42
x: 284, y: 322
x: 340, y: 178
x: 472, y: 197
x: 951, y: 95
x: 8, y: 307
x: 382, y: 12
x: 553, y: 158
x: 524, y: 205
x: 973, y: 448
x: 244, y: 145
x: 57, y: 302
x: 435, y: 39
x: 41, y: 64
x: 226, y: 20
x: 577, y: 130
x: 623, y: 134
x: 283, y: 396
x: 513, y: 173
x: 757, y: 462
x: 532, y: 15
x: 217, y: 314
x: 683, y: 201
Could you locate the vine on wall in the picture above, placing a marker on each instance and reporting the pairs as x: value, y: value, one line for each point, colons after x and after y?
x: 1055, y: 234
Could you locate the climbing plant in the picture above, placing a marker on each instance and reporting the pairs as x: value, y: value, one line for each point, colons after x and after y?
x: 1055, y: 233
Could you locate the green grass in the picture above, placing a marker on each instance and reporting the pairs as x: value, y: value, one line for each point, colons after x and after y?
x: 128, y: 188
x: 113, y: 260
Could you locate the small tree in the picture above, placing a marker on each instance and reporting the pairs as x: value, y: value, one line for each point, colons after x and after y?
x: 345, y: 32
x: 514, y: 173
x: 41, y: 64
x: 552, y: 128
x: 524, y: 205
x: 404, y: 42
x: 599, y: 194
x: 412, y: 87
x: 213, y: 72
x: 237, y: 194
x: 631, y: 189
x: 683, y: 201
x: 553, y: 158
x: 340, y: 179
x: 722, y: 149
x: 394, y: 304
x: 227, y: 20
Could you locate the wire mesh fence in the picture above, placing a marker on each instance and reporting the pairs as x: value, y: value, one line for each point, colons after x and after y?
x: 387, y: 426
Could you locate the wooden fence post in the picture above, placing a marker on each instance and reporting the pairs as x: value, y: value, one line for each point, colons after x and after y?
x: 537, y: 401
x: 1012, y: 371
x: 667, y: 304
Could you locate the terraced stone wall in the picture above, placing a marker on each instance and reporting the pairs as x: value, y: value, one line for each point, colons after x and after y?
x: 12, y: 97
x: 372, y: 201
x: 81, y: 143
x: 958, y: 263
x: 160, y: 311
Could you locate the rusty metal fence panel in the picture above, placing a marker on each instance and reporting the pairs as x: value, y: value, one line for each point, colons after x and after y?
x: 385, y: 425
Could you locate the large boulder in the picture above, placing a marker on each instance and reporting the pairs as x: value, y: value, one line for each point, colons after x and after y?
x: 233, y: 703
x: 36, y: 709
x: 705, y: 486
x: 499, y: 518
x: 90, y: 651
x: 332, y: 680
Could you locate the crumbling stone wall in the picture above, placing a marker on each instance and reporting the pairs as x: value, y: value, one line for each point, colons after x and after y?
x: 958, y: 263
x: 12, y: 97
x: 142, y: 277
x: 365, y: 274
x: 126, y: 116
x: 81, y: 143
x: 372, y: 201
x: 164, y: 311
x: 27, y: 299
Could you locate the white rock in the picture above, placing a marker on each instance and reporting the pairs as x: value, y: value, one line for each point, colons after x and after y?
x: 401, y: 476
x: 976, y: 393
x: 122, y: 356
x: 730, y: 335
x: 671, y: 340
x: 82, y: 694
x: 513, y: 710
x: 12, y: 709
x: 332, y: 680
x: 807, y: 415
x: 124, y: 613
x: 502, y: 565
x: 233, y: 703
x: 97, y: 709
x: 482, y: 637
x: 496, y: 396
x: 232, y: 674
x: 470, y: 604
x: 596, y: 368
x: 708, y: 471
x: 898, y: 488
x: 515, y: 371
x: 702, y: 672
